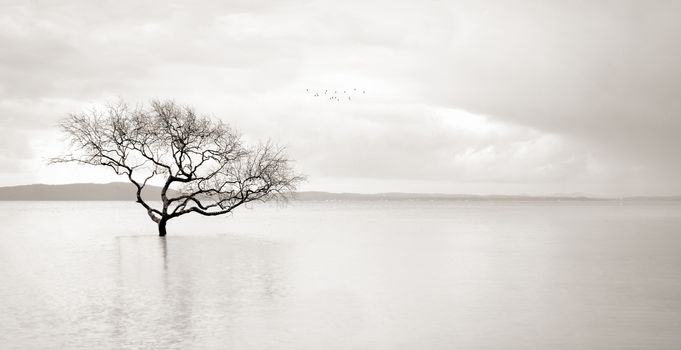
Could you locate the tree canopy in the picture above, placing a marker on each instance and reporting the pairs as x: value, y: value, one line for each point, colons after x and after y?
x: 205, y: 160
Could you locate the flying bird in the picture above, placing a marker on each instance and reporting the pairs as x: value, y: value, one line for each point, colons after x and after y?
x: 334, y: 95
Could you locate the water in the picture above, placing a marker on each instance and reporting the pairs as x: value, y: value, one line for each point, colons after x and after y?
x: 343, y: 275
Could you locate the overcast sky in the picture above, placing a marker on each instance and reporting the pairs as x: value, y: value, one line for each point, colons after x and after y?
x: 508, y: 97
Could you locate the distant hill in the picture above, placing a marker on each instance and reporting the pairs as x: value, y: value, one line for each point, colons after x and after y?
x: 115, y: 191
x: 123, y: 191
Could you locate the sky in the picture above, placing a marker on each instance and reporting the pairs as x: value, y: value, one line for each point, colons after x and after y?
x: 480, y: 97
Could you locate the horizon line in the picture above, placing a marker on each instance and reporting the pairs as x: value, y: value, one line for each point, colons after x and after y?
x: 443, y: 195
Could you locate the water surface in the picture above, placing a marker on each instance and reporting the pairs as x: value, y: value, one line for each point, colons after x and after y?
x: 343, y: 275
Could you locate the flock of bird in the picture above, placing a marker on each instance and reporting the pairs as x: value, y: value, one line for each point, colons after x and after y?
x: 336, y: 95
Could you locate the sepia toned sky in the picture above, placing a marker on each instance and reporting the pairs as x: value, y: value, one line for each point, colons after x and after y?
x: 505, y: 97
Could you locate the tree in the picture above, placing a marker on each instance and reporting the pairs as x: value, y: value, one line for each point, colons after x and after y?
x: 204, y: 161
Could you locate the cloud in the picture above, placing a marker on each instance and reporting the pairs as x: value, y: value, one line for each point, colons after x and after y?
x: 506, y: 95
x: 605, y: 73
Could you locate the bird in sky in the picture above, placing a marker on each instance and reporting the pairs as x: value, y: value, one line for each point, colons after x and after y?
x: 334, y: 95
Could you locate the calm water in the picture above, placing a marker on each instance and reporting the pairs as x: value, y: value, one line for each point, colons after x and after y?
x: 346, y: 275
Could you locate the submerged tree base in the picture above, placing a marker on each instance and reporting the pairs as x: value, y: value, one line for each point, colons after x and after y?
x: 162, y: 229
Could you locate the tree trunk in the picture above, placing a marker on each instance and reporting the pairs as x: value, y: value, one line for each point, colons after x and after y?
x: 162, y: 227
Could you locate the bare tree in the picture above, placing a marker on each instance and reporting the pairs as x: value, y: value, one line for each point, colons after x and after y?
x: 204, y: 161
